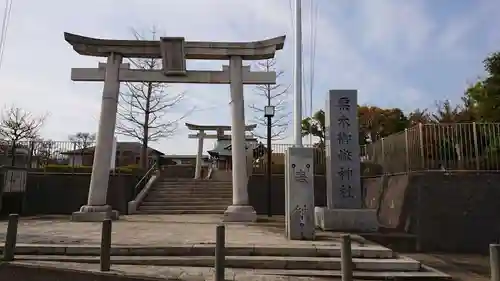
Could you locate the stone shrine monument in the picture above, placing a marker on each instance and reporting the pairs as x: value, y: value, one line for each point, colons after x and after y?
x: 344, y: 211
x: 174, y: 51
x: 299, y: 193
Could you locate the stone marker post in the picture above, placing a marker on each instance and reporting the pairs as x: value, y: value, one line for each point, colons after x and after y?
x: 299, y: 193
x: 344, y: 211
x: 343, y: 161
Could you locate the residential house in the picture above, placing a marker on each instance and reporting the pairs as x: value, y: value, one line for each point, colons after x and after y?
x: 127, y: 153
x: 22, y: 155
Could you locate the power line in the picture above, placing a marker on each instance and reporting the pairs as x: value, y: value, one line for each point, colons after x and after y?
x: 5, y: 28
x: 313, y: 32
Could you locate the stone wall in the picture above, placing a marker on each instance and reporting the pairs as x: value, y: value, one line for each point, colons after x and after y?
x: 180, y: 171
x: 65, y: 193
x: 257, y: 192
x: 452, y: 212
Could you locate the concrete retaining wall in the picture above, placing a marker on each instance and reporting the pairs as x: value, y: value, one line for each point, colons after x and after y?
x: 64, y: 194
x: 452, y: 212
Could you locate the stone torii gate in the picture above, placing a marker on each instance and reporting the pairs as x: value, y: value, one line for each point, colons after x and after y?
x: 173, y: 51
x: 201, y: 136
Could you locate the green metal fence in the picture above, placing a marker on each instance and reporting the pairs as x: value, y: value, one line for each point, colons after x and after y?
x: 425, y: 147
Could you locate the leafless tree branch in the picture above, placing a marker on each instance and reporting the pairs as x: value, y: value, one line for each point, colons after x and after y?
x: 82, y: 140
x: 18, y: 125
x: 275, y: 95
x: 143, y: 106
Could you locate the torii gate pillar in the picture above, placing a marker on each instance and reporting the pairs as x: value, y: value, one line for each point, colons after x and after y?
x: 199, y: 155
x: 240, y: 211
x: 96, y: 208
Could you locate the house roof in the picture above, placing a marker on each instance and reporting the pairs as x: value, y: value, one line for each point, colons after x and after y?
x: 217, y: 127
x: 20, y: 148
x: 223, y: 147
x: 120, y: 146
x: 176, y: 156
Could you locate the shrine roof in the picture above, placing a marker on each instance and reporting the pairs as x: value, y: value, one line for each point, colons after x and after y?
x: 253, y: 50
x: 217, y: 127
x: 223, y: 147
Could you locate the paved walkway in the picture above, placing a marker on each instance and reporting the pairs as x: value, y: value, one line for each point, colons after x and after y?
x: 157, y: 230
x: 187, y: 273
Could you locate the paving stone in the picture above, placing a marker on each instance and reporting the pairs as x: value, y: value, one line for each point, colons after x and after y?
x: 154, y: 230
x: 185, y: 273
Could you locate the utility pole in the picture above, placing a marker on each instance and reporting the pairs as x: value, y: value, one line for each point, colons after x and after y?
x: 297, y: 76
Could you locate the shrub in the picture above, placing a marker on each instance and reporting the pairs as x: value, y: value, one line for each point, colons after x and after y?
x: 58, y: 168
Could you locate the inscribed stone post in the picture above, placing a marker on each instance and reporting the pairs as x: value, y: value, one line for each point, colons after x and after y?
x: 299, y: 193
x: 342, y: 150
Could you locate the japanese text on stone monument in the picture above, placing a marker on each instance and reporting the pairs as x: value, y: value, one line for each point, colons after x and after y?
x: 344, y: 137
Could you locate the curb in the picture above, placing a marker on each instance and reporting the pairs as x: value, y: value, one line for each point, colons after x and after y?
x: 201, y: 250
x: 304, y: 263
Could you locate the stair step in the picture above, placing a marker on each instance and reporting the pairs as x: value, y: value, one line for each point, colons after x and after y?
x: 186, y: 203
x: 193, y: 249
x: 254, y: 262
x: 189, y: 194
x: 193, y: 180
x: 168, y: 187
x: 196, y: 183
x: 173, y: 191
x: 180, y: 212
x: 145, y: 207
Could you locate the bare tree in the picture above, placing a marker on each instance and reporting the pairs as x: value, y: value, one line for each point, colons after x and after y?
x: 143, y: 106
x: 17, y: 125
x: 275, y: 95
x: 82, y: 140
x: 44, y: 151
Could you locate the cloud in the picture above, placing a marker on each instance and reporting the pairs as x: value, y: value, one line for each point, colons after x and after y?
x: 377, y: 47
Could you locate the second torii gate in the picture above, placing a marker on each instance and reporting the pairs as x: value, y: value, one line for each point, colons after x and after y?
x: 201, y: 136
x: 174, y: 51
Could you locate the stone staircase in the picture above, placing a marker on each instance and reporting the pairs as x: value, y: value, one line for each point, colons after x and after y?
x: 187, y: 196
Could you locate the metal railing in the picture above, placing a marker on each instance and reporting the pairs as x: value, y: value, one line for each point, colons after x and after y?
x: 424, y: 147
x: 278, y: 160
x: 427, y: 147
x: 144, y: 180
x: 50, y: 155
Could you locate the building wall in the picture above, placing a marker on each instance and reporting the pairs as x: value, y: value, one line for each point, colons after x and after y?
x: 75, y: 160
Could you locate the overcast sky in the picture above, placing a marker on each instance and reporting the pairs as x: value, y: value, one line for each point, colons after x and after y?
x: 397, y: 53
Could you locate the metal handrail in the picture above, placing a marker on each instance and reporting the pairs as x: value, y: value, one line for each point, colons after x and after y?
x: 148, y: 173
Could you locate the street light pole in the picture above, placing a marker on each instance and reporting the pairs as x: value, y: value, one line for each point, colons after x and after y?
x: 297, y: 75
x: 269, y: 113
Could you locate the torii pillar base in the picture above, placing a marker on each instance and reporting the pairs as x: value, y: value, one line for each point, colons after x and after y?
x: 95, y: 214
x: 240, y: 213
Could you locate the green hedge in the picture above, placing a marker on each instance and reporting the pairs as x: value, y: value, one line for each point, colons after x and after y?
x: 55, y: 168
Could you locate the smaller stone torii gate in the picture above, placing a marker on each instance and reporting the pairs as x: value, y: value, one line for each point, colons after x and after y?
x: 174, y: 51
x: 201, y: 136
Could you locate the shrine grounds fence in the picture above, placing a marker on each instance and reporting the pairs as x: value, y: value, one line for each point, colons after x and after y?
x: 424, y: 147
x: 58, y: 156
